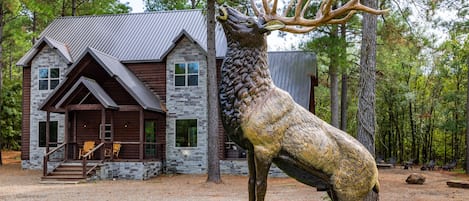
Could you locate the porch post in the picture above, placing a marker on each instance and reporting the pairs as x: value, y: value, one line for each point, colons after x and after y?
x: 112, y: 134
x: 75, y: 134
x: 66, y: 135
x: 142, y: 129
x: 47, y: 131
x: 102, y: 129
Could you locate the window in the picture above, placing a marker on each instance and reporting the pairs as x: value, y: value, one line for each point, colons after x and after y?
x: 186, y: 133
x: 48, y: 78
x: 186, y: 74
x: 107, y: 131
x: 150, y: 137
x: 53, y: 127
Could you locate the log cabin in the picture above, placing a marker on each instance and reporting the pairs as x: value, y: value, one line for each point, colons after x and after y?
x: 138, y: 81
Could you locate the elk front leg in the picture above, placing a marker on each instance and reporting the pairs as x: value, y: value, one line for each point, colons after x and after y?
x: 262, y: 163
x: 252, y: 175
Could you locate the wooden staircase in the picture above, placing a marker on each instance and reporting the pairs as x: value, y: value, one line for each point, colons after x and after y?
x: 68, y: 173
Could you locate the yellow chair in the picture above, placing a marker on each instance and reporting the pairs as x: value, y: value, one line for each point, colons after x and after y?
x: 87, y: 147
x: 116, y: 147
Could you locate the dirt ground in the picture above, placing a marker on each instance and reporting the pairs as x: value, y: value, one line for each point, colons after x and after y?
x: 18, y: 184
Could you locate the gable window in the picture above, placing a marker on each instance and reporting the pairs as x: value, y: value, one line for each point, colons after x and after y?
x: 53, y: 126
x: 48, y: 78
x: 186, y: 133
x: 186, y: 74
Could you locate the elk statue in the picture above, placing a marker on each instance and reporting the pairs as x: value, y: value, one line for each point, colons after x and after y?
x: 266, y: 121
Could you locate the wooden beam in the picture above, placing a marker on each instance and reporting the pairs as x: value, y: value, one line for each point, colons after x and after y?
x: 129, y: 108
x: 47, y: 131
x: 66, y: 127
x: 85, y: 107
x: 141, y: 130
x: 103, y: 129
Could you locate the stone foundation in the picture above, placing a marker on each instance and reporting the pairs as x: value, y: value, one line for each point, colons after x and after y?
x: 129, y: 170
x: 240, y: 167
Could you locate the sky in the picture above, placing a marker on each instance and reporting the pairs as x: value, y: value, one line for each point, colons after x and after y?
x: 137, y: 5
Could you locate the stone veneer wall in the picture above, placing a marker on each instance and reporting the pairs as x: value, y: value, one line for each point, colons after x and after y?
x: 47, y: 57
x: 240, y: 167
x: 129, y: 170
x: 186, y: 103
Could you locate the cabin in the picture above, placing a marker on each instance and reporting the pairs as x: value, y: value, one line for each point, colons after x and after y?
x: 124, y: 96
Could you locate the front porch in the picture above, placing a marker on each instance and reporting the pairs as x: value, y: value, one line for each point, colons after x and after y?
x: 139, y: 154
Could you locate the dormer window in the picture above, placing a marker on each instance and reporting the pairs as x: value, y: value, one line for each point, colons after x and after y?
x: 48, y: 78
x: 186, y: 74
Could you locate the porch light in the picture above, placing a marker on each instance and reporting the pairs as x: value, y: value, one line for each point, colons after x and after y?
x: 126, y: 124
x: 84, y: 124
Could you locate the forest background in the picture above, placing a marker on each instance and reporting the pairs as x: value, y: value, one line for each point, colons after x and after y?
x: 421, y: 73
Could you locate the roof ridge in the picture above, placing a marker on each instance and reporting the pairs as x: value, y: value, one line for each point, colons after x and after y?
x: 126, y: 14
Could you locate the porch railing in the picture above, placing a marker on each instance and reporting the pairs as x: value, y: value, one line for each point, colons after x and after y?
x: 85, y: 172
x: 46, y: 157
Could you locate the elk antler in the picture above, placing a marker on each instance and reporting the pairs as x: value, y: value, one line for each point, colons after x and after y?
x: 325, y: 14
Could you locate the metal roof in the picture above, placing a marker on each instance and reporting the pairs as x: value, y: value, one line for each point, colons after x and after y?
x: 137, y: 37
x: 94, y: 88
x: 291, y: 71
x: 143, y: 95
x: 62, y: 49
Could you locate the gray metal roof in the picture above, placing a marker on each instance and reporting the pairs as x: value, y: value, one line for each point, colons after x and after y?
x: 94, y: 89
x: 291, y: 71
x: 62, y: 49
x: 135, y: 37
x: 143, y: 95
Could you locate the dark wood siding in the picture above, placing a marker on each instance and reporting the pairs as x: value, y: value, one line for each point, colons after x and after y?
x: 221, y: 130
x: 124, y: 134
x: 153, y: 75
x: 25, y: 130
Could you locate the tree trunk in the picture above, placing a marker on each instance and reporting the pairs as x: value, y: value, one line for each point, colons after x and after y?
x: 1, y: 77
x: 413, y: 133
x: 366, y: 96
x: 212, y: 93
x: 343, y: 103
x: 334, y: 82
x: 74, y: 7
x: 343, y: 93
x: 467, y: 122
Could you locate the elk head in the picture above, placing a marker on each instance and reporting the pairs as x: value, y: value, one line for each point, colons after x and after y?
x: 246, y: 30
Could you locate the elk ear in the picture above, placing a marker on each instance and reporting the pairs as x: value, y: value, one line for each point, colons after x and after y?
x: 273, y: 25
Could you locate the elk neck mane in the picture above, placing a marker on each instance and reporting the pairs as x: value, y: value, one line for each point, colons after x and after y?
x: 245, y: 78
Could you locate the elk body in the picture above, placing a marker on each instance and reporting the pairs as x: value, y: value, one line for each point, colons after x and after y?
x: 266, y: 121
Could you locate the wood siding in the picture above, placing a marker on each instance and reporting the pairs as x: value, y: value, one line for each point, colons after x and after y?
x: 153, y: 75
x: 122, y: 133
x: 221, y: 130
x: 25, y: 129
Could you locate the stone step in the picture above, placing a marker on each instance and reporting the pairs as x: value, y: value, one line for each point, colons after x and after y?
x: 62, y: 177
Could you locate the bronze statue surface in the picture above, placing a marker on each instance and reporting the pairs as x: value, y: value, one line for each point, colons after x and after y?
x: 266, y: 121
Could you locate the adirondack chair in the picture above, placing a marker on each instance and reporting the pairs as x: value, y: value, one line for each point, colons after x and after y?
x: 87, y: 147
x: 116, y: 147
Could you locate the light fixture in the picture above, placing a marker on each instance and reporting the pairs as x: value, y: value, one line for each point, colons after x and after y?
x: 126, y: 124
x: 84, y: 124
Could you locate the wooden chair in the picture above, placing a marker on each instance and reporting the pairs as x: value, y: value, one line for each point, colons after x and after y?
x: 87, y: 147
x: 116, y: 147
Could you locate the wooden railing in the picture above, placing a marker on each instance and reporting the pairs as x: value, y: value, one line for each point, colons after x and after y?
x: 46, y: 157
x: 85, y: 172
